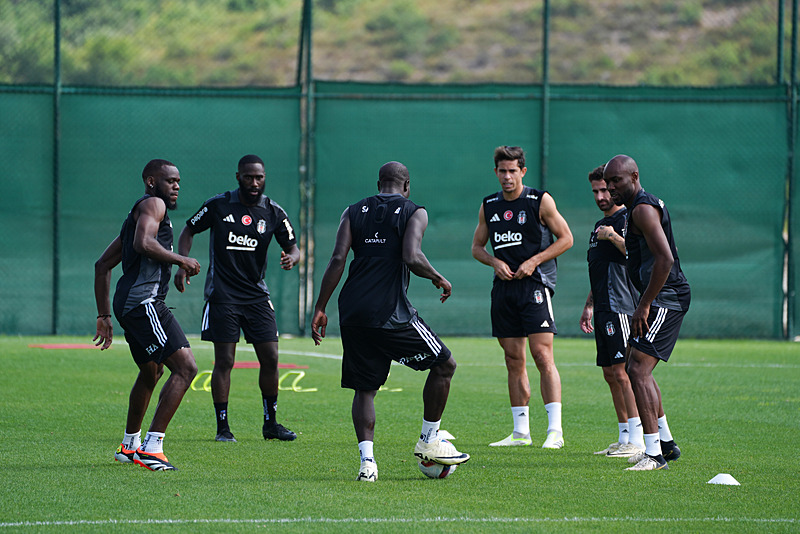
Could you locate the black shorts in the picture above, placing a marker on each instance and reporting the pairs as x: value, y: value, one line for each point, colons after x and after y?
x: 369, y: 352
x: 223, y: 322
x: 611, y: 333
x: 520, y: 308
x: 152, y: 332
x: 665, y: 325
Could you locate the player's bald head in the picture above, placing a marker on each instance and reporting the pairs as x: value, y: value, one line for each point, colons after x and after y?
x: 393, y: 172
x: 621, y: 164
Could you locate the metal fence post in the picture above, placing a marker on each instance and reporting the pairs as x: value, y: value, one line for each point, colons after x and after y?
x: 56, y: 159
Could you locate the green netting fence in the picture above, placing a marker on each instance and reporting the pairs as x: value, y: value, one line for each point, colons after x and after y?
x: 722, y: 158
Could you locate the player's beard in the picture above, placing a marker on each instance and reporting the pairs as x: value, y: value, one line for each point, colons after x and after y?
x: 252, y: 194
x: 171, y: 204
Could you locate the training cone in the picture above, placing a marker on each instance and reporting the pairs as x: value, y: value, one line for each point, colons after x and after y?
x: 724, y: 478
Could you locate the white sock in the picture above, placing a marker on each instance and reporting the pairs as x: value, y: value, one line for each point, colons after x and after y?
x: 663, y: 429
x: 623, y: 433
x: 153, y: 442
x: 132, y: 441
x: 636, y: 432
x: 430, y: 430
x: 652, y: 445
x: 553, y: 417
x: 365, y: 449
x: 522, y: 423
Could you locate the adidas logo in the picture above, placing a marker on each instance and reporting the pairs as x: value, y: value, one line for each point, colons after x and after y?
x: 545, y: 324
x: 494, y: 218
x: 229, y: 219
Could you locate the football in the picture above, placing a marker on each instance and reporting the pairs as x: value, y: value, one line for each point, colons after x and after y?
x: 434, y: 470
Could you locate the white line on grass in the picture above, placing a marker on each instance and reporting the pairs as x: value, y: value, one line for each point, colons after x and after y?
x: 367, y: 520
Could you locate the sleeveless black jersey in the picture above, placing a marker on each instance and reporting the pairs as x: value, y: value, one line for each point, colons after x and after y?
x: 374, y: 294
x: 240, y: 237
x: 612, y: 289
x: 676, y: 294
x: 143, y: 279
x: 516, y: 233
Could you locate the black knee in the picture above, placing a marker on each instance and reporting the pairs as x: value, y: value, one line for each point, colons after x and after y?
x: 447, y: 368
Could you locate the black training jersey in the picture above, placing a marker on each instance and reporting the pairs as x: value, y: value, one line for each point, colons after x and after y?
x: 240, y: 236
x: 516, y: 233
x: 612, y: 289
x: 374, y: 294
x: 676, y: 294
x: 143, y: 279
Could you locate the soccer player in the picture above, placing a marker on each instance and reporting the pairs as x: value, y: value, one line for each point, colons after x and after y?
x: 611, y: 301
x: 144, y: 246
x: 242, y: 223
x: 655, y: 271
x: 378, y: 323
x: 521, y: 224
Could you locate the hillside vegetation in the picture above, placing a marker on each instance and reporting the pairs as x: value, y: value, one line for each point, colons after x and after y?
x: 233, y: 43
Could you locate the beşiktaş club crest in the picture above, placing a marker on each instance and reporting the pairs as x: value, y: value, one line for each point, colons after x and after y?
x: 522, y: 217
x: 610, y: 328
x: 537, y: 296
x: 261, y: 227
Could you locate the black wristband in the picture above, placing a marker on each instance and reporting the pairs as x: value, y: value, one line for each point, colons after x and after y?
x: 104, y: 315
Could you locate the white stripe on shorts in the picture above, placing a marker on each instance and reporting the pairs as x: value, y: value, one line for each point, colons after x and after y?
x: 429, y: 338
x: 656, y: 326
x: 625, y: 326
x: 549, y: 305
x: 204, y: 322
x: 155, y: 324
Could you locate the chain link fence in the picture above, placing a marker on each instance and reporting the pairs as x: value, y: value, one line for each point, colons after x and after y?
x: 700, y: 93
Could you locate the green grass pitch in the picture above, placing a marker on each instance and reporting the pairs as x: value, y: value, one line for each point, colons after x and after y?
x: 733, y: 407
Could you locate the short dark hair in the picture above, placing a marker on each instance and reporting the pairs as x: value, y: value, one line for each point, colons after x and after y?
x: 248, y: 159
x: 393, y: 171
x: 509, y: 153
x: 597, y: 173
x: 154, y: 167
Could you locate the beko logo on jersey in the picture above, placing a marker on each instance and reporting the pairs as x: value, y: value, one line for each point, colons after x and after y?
x: 199, y: 215
x: 244, y: 242
x: 508, y: 239
x: 376, y: 239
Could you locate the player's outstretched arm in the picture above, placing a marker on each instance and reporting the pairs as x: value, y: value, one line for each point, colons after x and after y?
x: 102, y: 289
x: 414, y: 257
x: 647, y: 219
x: 331, y: 277
x: 185, y: 242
